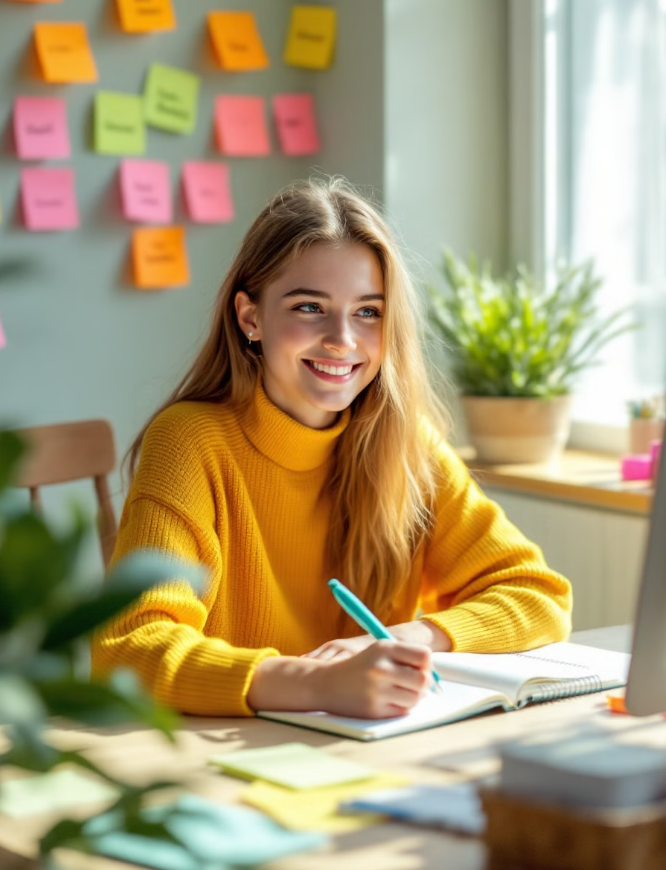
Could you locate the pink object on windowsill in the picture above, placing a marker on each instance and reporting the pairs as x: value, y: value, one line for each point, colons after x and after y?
x: 637, y: 466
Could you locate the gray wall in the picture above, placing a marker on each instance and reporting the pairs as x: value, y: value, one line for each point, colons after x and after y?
x: 81, y: 341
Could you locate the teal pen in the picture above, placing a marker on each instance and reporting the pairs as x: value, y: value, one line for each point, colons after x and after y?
x: 367, y: 620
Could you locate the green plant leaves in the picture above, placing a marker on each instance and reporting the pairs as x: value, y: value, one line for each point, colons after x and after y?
x: 120, y: 699
x: 133, y: 575
x: 11, y: 451
x: 512, y: 337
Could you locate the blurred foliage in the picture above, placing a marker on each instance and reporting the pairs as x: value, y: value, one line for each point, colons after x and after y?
x: 511, y: 336
x: 46, y: 613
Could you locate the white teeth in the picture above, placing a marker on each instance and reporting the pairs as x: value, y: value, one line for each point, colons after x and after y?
x: 331, y: 370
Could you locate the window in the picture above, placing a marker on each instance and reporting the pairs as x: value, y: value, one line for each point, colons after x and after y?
x: 604, y: 179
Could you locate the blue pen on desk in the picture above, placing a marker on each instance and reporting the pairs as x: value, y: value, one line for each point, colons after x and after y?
x: 367, y: 620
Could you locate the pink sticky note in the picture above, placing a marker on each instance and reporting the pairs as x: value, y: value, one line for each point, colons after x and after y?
x: 296, y: 123
x: 49, y: 199
x: 40, y: 128
x: 240, y: 125
x: 145, y: 191
x: 3, y: 340
x: 207, y: 192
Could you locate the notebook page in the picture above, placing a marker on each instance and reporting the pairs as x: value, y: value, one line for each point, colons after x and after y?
x: 456, y: 702
x: 562, y: 662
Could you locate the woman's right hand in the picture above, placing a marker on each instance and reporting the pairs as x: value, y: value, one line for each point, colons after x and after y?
x: 383, y: 680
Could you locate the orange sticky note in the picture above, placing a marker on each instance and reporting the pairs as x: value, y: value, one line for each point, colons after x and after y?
x: 144, y: 16
x: 236, y: 40
x: 64, y: 53
x: 159, y: 257
x: 615, y: 702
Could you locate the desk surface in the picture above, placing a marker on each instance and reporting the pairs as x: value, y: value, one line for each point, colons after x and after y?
x: 452, y: 753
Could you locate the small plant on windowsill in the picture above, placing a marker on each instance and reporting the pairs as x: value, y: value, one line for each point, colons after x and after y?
x: 46, y: 613
x: 515, y: 349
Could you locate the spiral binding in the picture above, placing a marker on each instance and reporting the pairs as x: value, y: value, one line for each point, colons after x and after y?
x: 559, y: 690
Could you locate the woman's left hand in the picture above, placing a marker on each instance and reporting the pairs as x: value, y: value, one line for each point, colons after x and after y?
x: 419, y: 631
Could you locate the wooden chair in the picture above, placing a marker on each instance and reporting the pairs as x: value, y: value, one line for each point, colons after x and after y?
x: 73, y: 451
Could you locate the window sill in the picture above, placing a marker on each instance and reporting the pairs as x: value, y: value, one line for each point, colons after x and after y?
x: 581, y: 477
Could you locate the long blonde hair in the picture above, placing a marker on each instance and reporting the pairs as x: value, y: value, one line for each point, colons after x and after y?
x: 384, y: 478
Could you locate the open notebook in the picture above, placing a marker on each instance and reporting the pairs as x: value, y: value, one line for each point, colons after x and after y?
x: 473, y: 683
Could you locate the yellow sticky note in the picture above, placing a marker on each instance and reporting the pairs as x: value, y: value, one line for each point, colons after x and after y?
x: 237, y: 41
x: 144, y: 16
x: 317, y: 809
x: 64, y: 53
x: 159, y: 257
x: 311, y: 37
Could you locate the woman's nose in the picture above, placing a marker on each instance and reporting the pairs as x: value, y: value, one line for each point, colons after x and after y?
x: 340, y: 336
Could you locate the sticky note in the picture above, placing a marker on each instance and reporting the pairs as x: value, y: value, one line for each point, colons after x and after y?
x: 170, y: 99
x: 159, y: 257
x: 145, y: 191
x: 316, y: 809
x: 47, y: 792
x: 296, y: 124
x: 311, y: 37
x: 207, y: 192
x: 236, y: 41
x: 49, y: 199
x: 144, y: 16
x: 40, y: 128
x: 293, y: 765
x: 64, y: 53
x: 119, y: 127
x: 240, y: 126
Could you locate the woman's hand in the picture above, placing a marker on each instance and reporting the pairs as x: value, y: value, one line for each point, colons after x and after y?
x: 420, y: 631
x: 383, y: 680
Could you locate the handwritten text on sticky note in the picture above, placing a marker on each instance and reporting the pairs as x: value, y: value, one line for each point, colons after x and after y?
x: 64, y: 53
x: 240, y: 126
x: 159, y: 257
x: 311, y: 37
x: 40, y: 128
x: 49, y: 199
x: 119, y: 127
x: 236, y: 41
x: 296, y: 124
x: 207, y: 193
x: 170, y: 99
x: 144, y: 16
x: 145, y: 191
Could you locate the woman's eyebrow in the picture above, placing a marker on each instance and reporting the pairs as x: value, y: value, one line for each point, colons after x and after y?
x: 321, y: 294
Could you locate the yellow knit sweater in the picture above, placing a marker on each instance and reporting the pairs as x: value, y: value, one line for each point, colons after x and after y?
x: 245, y: 495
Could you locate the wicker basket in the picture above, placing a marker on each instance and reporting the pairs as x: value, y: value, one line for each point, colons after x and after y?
x: 528, y: 835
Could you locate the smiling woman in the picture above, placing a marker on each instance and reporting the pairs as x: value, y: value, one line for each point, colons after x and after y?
x: 305, y: 442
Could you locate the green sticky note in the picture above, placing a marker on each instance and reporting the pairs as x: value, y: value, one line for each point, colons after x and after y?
x: 56, y: 790
x: 119, y: 126
x: 293, y: 765
x: 170, y: 99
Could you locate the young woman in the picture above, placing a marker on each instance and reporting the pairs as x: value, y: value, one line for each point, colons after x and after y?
x: 304, y: 443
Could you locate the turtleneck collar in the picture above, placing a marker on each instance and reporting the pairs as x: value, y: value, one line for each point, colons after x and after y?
x: 285, y: 441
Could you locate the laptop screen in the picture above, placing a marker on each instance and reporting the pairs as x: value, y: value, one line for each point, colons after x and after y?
x: 646, y: 687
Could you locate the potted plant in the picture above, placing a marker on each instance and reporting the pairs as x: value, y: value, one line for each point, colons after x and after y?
x: 515, y: 349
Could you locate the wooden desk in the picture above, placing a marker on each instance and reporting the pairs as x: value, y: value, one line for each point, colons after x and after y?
x: 462, y: 751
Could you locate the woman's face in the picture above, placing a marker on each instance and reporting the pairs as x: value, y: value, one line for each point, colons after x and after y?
x: 320, y: 327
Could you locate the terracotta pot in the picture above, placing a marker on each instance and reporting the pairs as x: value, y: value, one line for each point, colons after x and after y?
x: 508, y: 430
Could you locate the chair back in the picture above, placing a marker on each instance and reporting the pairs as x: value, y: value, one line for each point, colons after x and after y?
x: 67, y: 452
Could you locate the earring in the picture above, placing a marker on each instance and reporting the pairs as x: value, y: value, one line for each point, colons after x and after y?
x: 249, y: 338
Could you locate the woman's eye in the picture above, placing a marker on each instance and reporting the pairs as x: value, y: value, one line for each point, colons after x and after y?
x: 370, y: 312
x: 308, y: 307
